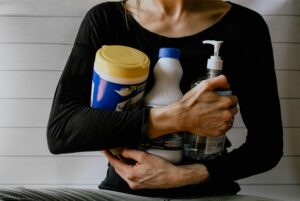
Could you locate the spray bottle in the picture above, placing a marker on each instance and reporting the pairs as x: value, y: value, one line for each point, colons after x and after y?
x: 205, y: 148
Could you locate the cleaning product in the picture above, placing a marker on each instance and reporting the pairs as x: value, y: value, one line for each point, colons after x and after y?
x: 205, y: 148
x: 119, y: 78
x: 167, y: 73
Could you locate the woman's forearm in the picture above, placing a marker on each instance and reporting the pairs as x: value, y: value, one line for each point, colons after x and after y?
x: 163, y: 120
x: 193, y: 174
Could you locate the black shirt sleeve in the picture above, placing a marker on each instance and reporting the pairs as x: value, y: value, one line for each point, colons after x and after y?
x: 73, y: 125
x: 254, y: 83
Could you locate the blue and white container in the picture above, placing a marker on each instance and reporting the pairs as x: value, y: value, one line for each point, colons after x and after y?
x: 119, y: 78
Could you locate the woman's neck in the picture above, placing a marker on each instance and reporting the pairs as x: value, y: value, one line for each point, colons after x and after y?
x: 176, y: 18
x: 171, y: 7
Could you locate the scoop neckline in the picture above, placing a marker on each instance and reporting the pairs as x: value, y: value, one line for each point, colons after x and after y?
x: 156, y: 35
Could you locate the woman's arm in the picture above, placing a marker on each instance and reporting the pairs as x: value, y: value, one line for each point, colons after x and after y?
x: 73, y: 125
x: 153, y: 172
x: 255, y: 85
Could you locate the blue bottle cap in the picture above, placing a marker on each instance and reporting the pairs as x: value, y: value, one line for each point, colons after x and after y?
x: 168, y: 52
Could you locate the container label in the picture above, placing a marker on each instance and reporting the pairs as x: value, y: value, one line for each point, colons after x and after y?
x: 226, y: 92
x: 171, y: 141
x: 114, y: 96
x: 214, y: 145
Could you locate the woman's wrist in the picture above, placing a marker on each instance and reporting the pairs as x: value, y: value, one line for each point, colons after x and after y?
x: 163, y: 120
x: 193, y: 174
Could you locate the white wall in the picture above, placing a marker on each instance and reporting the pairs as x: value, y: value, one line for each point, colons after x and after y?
x: 36, y: 37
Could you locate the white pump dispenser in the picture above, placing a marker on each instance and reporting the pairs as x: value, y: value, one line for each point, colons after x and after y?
x: 205, y: 148
x: 214, y: 145
x: 215, y: 62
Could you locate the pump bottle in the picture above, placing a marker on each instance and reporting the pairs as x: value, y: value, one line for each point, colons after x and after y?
x: 205, y: 148
x: 167, y: 73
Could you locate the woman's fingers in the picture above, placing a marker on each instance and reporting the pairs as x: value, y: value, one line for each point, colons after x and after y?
x: 116, y: 162
x: 212, y: 84
x: 136, y: 155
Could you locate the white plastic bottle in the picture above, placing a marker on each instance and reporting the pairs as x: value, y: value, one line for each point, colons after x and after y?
x: 167, y: 73
x: 205, y: 148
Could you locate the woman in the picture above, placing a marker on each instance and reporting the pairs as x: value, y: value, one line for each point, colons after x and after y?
x: 184, y: 24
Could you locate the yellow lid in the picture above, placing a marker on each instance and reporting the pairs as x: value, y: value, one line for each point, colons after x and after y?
x: 122, y: 61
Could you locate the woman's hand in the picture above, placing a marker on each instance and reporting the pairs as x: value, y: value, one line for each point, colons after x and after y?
x: 201, y: 111
x: 206, y: 112
x: 153, y: 172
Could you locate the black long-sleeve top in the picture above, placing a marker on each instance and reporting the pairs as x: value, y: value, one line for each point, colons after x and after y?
x: 248, y: 64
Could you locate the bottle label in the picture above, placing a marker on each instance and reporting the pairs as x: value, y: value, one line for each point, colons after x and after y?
x: 203, y: 148
x: 214, y: 145
x: 193, y: 146
x: 114, y: 96
x: 171, y: 141
x: 225, y: 92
